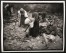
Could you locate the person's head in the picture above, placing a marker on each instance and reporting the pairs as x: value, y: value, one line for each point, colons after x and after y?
x: 35, y: 15
x: 22, y: 10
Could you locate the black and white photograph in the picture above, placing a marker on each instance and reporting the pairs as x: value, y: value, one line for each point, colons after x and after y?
x: 32, y: 26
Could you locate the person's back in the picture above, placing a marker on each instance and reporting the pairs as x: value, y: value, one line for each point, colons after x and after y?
x: 22, y: 19
x: 35, y: 30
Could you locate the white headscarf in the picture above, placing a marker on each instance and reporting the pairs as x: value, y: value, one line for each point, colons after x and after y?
x: 25, y: 12
x: 6, y: 6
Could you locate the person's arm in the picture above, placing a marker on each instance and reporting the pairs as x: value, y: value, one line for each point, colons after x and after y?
x: 25, y: 14
x: 26, y: 28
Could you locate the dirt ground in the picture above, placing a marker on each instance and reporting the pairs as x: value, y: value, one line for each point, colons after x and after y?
x: 15, y: 39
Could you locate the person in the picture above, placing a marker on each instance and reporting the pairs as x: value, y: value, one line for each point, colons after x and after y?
x: 34, y: 31
x: 23, y: 15
x: 33, y: 24
x: 9, y: 9
x: 43, y: 15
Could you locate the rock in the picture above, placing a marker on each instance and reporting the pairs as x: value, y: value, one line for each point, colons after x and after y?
x: 45, y: 38
x: 52, y: 37
x: 56, y: 44
x: 43, y: 24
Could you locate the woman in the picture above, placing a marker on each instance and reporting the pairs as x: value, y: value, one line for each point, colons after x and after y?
x: 23, y: 15
x: 34, y: 31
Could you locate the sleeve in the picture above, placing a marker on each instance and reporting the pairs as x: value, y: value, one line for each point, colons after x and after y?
x: 27, y: 21
x: 26, y: 15
x: 19, y: 14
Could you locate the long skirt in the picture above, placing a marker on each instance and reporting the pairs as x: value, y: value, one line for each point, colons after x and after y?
x: 35, y: 30
x: 22, y: 19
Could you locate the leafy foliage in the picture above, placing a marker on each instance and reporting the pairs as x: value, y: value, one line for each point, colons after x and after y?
x: 15, y: 37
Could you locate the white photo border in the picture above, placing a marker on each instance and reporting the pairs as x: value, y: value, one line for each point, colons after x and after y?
x: 2, y: 50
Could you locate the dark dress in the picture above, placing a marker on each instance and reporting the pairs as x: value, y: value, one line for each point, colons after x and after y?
x: 35, y: 30
x: 22, y: 18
